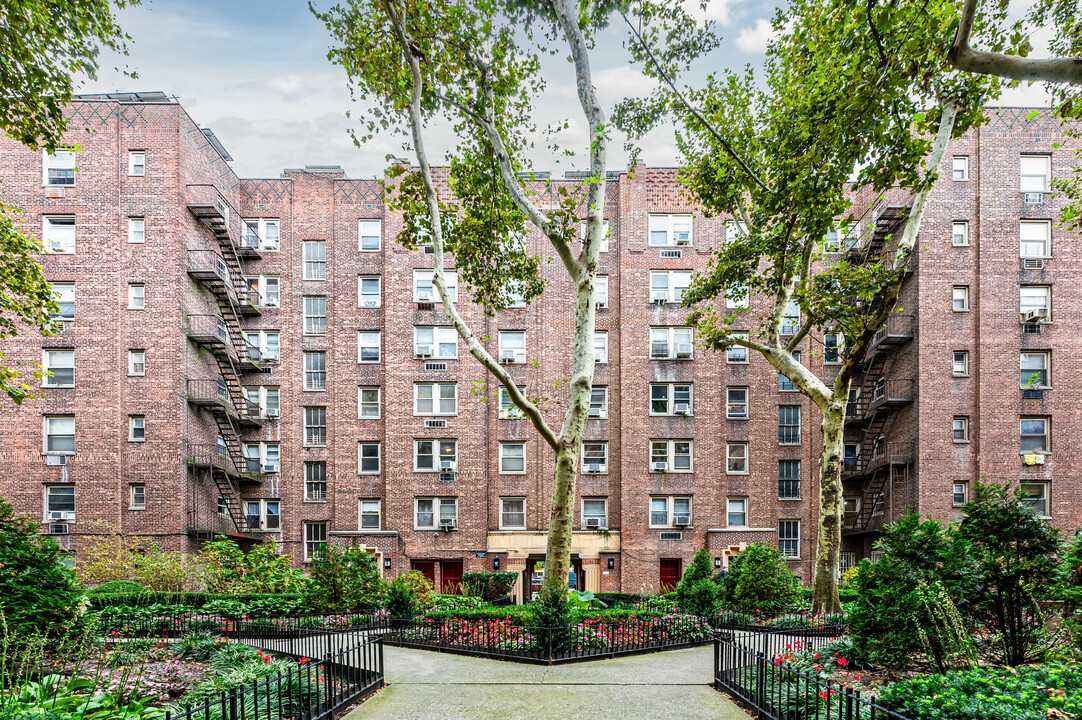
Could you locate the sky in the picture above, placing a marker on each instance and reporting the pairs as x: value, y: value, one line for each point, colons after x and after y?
x: 256, y: 72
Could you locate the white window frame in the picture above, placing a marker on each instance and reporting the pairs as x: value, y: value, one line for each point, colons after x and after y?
x: 670, y: 509
x: 1040, y: 163
x: 669, y: 223
x: 437, y: 454
x: 601, y: 292
x: 599, y: 399
x: 263, y: 344
x: 369, y: 299
x: 263, y: 505
x: 670, y: 398
x: 47, y: 364
x: 364, y: 229
x: 960, y: 489
x: 137, y: 296
x: 441, y: 334
x: 51, y: 227
x: 361, y: 445
x: 782, y: 548
x: 438, y: 505
x: 604, y: 248
x: 266, y: 454
x: 1027, y: 245
x: 311, y: 430
x: 266, y: 397
x: 315, y: 325
x: 366, y: 336
x: 423, y: 278
x: 960, y: 423
x: 960, y: 363
x: 960, y: 298
x: 670, y: 454
x: 1040, y: 502
x: 960, y: 168
x: 137, y: 428
x: 60, y: 291
x: 436, y: 390
x: 262, y: 284
x: 960, y: 233
x: 736, y: 506
x: 1046, y: 356
x: 840, y: 238
x: 735, y: 352
x: 264, y: 240
x: 313, y: 264
x: 672, y: 337
x: 67, y: 489
x: 362, y: 403
x: 601, y: 348
x: 315, y: 379
x: 48, y: 422
x: 669, y: 285
x: 603, y: 517
x: 314, y: 478
x: 315, y: 537
x: 736, y: 454
x: 593, y: 460
x: 504, y: 512
x: 503, y: 458
x: 833, y: 345
x: 505, y: 338
x: 369, y: 507
x: 1034, y: 291
x: 733, y: 403
x: 507, y: 409
x: 137, y: 500
x: 136, y: 358
x: 61, y: 160
x: 137, y: 163
x: 1047, y: 434
x: 137, y: 230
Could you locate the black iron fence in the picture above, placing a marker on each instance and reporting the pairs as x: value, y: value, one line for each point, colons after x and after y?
x: 268, y: 630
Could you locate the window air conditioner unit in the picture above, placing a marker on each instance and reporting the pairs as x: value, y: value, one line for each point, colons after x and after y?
x: 435, y: 423
x: 659, y: 297
x: 423, y: 351
x: 270, y: 357
x: 681, y: 409
x: 681, y: 520
x: 447, y: 524
x: 595, y: 412
x: 56, y: 459
x: 1033, y: 263
x: 593, y: 522
x: 424, y: 297
x: 273, y: 412
x: 269, y: 302
x: 601, y: 305
x: 270, y: 468
x: 60, y: 529
x: 370, y: 303
x: 447, y: 465
x: 659, y: 466
x: 1033, y: 198
x: 56, y: 246
x: 1035, y: 315
x: 507, y: 356
x: 61, y: 515
x: 593, y: 467
x: 682, y: 240
x: 683, y: 350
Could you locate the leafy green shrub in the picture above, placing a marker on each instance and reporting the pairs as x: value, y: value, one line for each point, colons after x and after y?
x: 345, y: 579
x: 188, y: 600
x: 262, y: 569
x: 520, y: 615
x: 232, y: 655
x: 488, y: 586
x: 118, y: 586
x: 200, y: 646
x: 1025, y: 693
x: 38, y: 595
x: 662, y: 603
x: 612, y: 599
x: 697, y: 593
x: 113, y: 554
x: 456, y: 602
x: 759, y: 578
x: 409, y: 594
x: 857, y: 659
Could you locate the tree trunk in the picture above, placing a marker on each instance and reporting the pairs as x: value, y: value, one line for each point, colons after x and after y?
x: 827, y: 555
x: 558, y: 550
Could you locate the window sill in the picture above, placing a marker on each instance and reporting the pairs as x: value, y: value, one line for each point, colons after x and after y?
x: 136, y: 509
x: 1045, y: 453
x: 734, y: 473
x: 315, y: 502
x: 960, y: 375
x: 961, y: 442
x: 789, y: 499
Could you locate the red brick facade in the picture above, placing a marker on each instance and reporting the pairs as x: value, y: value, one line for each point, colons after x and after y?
x: 188, y: 188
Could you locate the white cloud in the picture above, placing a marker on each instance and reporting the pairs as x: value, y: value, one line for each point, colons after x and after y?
x: 755, y: 38
x: 290, y: 86
x: 720, y: 11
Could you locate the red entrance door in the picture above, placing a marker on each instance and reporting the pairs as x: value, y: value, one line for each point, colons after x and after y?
x: 426, y: 568
x: 451, y: 574
x: 670, y: 574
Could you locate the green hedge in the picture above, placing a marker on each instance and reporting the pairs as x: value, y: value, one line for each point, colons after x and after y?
x: 612, y: 598
x: 519, y: 614
x: 195, y: 600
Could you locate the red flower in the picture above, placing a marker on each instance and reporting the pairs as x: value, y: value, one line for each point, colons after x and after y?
x: 856, y: 676
x: 843, y: 662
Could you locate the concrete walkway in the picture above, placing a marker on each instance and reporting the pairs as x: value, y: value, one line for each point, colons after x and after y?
x: 659, y: 686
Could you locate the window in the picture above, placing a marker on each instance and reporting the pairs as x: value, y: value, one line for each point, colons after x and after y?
x: 788, y: 479
x: 137, y: 163
x: 736, y: 298
x: 58, y: 234
x: 736, y: 512
x: 1035, y: 434
x: 59, y: 168
x: 961, y: 298
x: 604, y: 232
x: 512, y: 513
x: 433, y: 513
x: 1036, y: 170
x: 960, y: 166
x: 512, y: 458
x: 435, y: 455
x: 512, y: 347
x: 315, y: 371
x: 670, y: 230
x: 223, y: 506
x: 137, y: 428
x: 667, y: 511
x: 790, y: 321
x: 369, y: 234
x: 262, y: 457
x: 672, y: 343
x: 1035, y: 238
x: 960, y: 233
x: 601, y: 347
x: 263, y: 515
x: 368, y: 347
x: 368, y: 403
x: 840, y: 238
x: 833, y: 348
x: 789, y: 538
x: 315, y: 537
x: 508, y: 409
x: 594, y: 509
x: 59, y: 368
x: 961, y: 493
x: 268, y: 289
x: 736, y: 405
x: 599, y: 402
x: 368, y: 291
x: 737, y: 354
x: 137, y: 299
x: 669, y: 285
x: 736, y: 458
x: 315, y: 315
x: 425, y: 292
x: 315, y: 259
x: 960, y: 366
x: 60, y: 502
x: 137, y: 230
x: 261, y: 234
x: 961, y: 429
x: 1035, y: 496
x: 670, y: 456
x: 370, y: 514
x: 670, y: 399
x: 137, y: 363
x: 788, y: 424
x: 64, y: 296
x: 315, y: 481
x: 595, y: 457
x: 601, y: 291
x: 435, y: 342
x: 315, y: 426
x: 1034, y: 301
x: 59, y: 434
x: 137, y: 497
x: 435, y: 399
x: 263, y: 345
x: 1035, y: 370
x: 264, y: 401
x: 368, y: 458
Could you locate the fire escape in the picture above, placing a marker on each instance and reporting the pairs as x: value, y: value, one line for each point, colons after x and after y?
x: 874, y: 399
x: 221, y: 334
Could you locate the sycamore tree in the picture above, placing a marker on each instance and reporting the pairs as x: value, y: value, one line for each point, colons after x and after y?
x: 850, y: 90
x: 475, y: 65
x: 45, y: 48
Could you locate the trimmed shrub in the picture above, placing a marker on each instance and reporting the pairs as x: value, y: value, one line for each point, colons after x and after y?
x: 456, y: 602
x: 118, y: 586
x: 612, y: 599
x: 520, y: 615
x: 410, y: 594
x: 697, y: 593
x: 100, y: 601
x: 488, y: 586
x: 343, y: 580
x: 759, y: 578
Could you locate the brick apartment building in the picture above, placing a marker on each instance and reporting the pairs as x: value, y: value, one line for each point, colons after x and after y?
x: 259, y: 357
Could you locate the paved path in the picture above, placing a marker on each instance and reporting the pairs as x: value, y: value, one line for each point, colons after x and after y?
x: 673, y: 685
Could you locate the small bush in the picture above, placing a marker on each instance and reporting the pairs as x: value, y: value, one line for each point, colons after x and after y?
x: 199, y: 646
x: 118, y: 586
x: 697, y: 593
x: 488, y: 586
x: 613, y: 599
x: 344, y: 580
x: 410, y: 594
x: 520, y: 615
x: 456, y: 602
x: 231, y: 656
x: 759, y: 578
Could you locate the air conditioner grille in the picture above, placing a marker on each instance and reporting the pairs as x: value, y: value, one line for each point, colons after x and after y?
x: 674, y: 254
x: 672, y: 536
x: 435, y: 366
